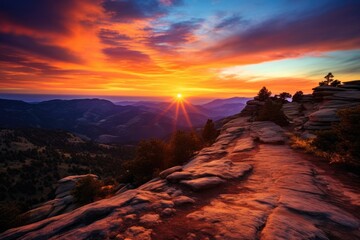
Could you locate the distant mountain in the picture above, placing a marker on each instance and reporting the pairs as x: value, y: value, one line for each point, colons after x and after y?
x: 98, y: 119
x: 220, y: 108
x: 123, y: 122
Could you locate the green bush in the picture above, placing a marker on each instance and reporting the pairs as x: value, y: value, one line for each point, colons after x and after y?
x: 87, y: 190
x: 271, y: 111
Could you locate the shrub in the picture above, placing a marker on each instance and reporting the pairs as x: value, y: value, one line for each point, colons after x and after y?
x: 343, y: 140
x: 298, y: 96
x: 326, y: 140
x: 150, y: 157
x: 182, y: 147
x: 87, y: 190
x: 284, y: 96
x: 209, y: 132
x: 264, y: 94
x: 271, y: 111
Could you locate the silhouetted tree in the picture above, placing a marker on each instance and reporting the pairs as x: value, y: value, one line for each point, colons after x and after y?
x: 87, y: 190
x: 298, y: 96
x: 329, y: 81
x: 264, y: 94
x: 284, y: 95
x: 209, y: 132
x: 271, y: 111
x: 149, y: 159
x: 182, y: 147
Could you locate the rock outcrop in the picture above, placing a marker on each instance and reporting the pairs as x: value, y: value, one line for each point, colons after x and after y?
x: 64, y: 201
x: 329, y: 100
x: 241, y: 187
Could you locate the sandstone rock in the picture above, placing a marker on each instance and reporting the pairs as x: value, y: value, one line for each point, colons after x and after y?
x: 130, y: 217
x: 168, y: 212
x: 203, y: 183
x: 267, y: 132
x: 223, y: 168
x: 328, y: 89
x: 283, y: 224
x: 177, y: 176
x: 348, y: 95
x: 138, y: 233
x: 168, y: 171
x: 182, y: 200
x: 39, y: 213
x: 244, y: 144
x: 150, y: 219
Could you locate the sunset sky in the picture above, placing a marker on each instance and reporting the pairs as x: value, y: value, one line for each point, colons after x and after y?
x: 204, y: 48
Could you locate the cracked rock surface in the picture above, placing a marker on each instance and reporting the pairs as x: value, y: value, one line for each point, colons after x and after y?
x: 248, y: 185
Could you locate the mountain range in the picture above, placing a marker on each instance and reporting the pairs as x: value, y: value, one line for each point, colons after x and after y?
x: 122, y: 122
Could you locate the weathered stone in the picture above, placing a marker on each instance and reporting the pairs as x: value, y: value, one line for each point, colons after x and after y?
x: 150, y: 219
x: 168, y: 171
x: 138, y: 233
x: 267, y: 132
x: 244, y: 144
x: 168, y: 212
x: 182, y: 200
x: 203, y: 183
x: 177, y: 176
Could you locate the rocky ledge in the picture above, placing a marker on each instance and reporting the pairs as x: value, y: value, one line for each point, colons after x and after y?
x: 62, y: 203
x: 247, y: 185
x: 329, y: 101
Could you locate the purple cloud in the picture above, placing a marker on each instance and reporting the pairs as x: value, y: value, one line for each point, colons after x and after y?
x: 125, y: 54
x: 128, y: 10
x: 111, y: 37
x: 43, y: 15
x: 176, y: 34
x: 331, y: 28
x: 37, y: 47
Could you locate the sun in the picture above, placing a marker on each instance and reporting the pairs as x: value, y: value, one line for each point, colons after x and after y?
x: 179, y: 96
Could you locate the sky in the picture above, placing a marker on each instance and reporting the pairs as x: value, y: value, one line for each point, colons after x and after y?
x: 200, y: 48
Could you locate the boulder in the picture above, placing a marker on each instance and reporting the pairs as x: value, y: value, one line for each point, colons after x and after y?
x: 182, y: 200
x: 169, y: 171
x: 203, y: 183
x: 137, y: 233
x: 267, y: 132
x: 177, y: 176
x: 150, y: 219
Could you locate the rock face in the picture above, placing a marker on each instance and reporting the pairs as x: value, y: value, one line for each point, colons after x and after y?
x: 329, y: 101
x: 241, y: 187
x: 63, y: 202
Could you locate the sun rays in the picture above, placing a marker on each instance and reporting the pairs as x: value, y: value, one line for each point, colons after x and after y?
x: 181, y: 111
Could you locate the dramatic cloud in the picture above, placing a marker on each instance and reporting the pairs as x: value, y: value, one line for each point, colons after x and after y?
x: 127, y: 10
x: 161, y: 47
x: 230, y: 22
x: 177, y: 33
x: 125, y: 54
x: 333, y: 28
x: 111, y: 37
x: 35, y: 46
x: 43, y: 15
